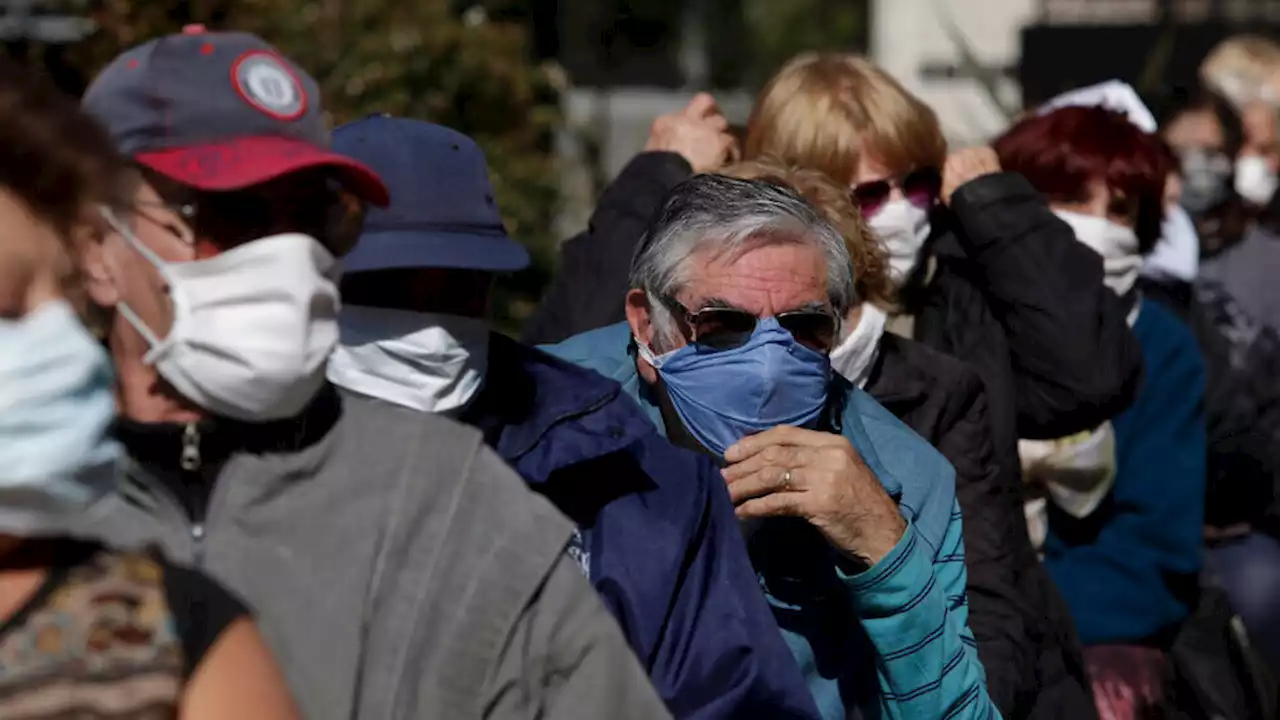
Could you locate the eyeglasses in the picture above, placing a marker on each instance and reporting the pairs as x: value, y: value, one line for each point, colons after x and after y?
x: 921, y: 187
x: 186, y: 211
x: 725, y: 328
x: 314, y: 205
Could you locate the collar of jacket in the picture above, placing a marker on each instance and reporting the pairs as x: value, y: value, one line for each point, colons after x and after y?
x: 608, y: 352
x: 543, y: 414
x: 895, y: 381
x: 160, y: 445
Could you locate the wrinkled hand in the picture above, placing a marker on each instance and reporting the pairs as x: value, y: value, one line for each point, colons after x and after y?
x: 699, y: 133
x: 965, y: 165
x: 817, y: 476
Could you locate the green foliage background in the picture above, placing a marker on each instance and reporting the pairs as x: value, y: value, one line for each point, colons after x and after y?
x: 750, y: 39
x: 451, y: 62
x: 411, y: 58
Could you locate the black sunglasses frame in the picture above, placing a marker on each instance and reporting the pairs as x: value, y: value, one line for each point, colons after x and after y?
x: 692, y: 318
x: 871, y: 196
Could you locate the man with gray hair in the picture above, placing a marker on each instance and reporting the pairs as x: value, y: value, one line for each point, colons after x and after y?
x: 736, y: 296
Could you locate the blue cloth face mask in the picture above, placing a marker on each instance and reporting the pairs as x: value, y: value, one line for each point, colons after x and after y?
x: 722, y: 396
x: 57, y: 457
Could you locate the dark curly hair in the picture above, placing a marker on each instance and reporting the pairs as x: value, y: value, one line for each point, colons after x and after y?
x: 56, y: 160
x: 54, y: 157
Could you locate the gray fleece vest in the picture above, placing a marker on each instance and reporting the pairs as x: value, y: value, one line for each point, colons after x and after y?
x: 392, y: 567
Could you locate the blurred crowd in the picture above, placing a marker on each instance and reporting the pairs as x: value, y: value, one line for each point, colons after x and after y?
x: 819, y: 418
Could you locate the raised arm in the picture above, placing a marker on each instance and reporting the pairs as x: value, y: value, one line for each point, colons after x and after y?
x: 587, y: 290
x: 1075, y: 361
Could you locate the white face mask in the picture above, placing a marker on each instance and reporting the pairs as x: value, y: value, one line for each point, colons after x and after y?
x: 428, y: 362
x: 56, y: 407
x: 1177, y: 254
x: 902, y: 229
x: 1255, y: 180
x: 252, y: 327
x: 855, y: 355
x: 1117, y: 244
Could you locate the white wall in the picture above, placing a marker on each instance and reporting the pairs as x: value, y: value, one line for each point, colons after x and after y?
x: 908, y: 33
x: 622, y: 118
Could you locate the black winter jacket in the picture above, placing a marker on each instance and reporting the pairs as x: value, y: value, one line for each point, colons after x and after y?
x: 1025, y: 636
x: 1013, y: 293
x: 587, y: 293
x: 588, y: 288
x: 1006, y: 288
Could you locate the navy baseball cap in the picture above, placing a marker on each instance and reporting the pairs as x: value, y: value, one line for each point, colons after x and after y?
x: 219, y: 111
x: 442, y: 212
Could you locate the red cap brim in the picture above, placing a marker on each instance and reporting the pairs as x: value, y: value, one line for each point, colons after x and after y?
x: 244, y: 162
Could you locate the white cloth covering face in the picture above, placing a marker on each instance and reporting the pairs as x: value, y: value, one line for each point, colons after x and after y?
x: 1177, y: 255
x: 429, y: 362
x: 856, y: 354
x: 1255, y: 181
x: 902, y: 229
x: 57, y: 456
x: 252, y: 326
x: 1117, y: 244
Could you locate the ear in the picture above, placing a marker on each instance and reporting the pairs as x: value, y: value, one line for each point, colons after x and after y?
x: 639, y: 317
x: 88, y: 243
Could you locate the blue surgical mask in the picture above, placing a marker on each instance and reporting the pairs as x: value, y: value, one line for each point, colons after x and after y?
x: 56, y: 407
x: 722, y: 396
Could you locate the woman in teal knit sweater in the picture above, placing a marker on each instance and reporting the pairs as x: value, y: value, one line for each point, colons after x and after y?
x: 1125, y: 549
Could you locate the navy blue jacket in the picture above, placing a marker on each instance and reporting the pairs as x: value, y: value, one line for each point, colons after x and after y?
x: 1129, y: 570
x: 657, y: 534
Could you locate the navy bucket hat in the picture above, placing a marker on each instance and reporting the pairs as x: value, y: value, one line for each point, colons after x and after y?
x: 442, y: 212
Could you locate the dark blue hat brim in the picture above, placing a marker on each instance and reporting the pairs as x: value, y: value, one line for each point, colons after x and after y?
x: 415, y: 249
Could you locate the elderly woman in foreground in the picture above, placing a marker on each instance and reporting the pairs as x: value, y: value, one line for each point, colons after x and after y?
x: 736, y: 299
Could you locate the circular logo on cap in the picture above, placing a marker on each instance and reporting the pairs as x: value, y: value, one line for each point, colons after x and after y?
x: 266, y: 83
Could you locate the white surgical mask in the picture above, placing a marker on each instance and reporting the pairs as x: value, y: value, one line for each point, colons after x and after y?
x: 1255, y: 180
x: 857, y: 352
x: 1117, y: 244
x: 252, y: 327
x: 56, y: 407
x: 902, y: 229
x: 1177, y: 254
x: 428, y: 362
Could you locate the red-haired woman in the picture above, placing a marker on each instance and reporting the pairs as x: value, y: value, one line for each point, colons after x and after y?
x: 1125, y: 546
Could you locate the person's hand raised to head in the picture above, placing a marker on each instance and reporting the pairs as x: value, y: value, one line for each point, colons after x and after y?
x: 699, y: 133
x: 818, y: 476
x: 966, y: 165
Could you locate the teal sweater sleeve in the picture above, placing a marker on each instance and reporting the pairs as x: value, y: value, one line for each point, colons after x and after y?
x: 913, y: 608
